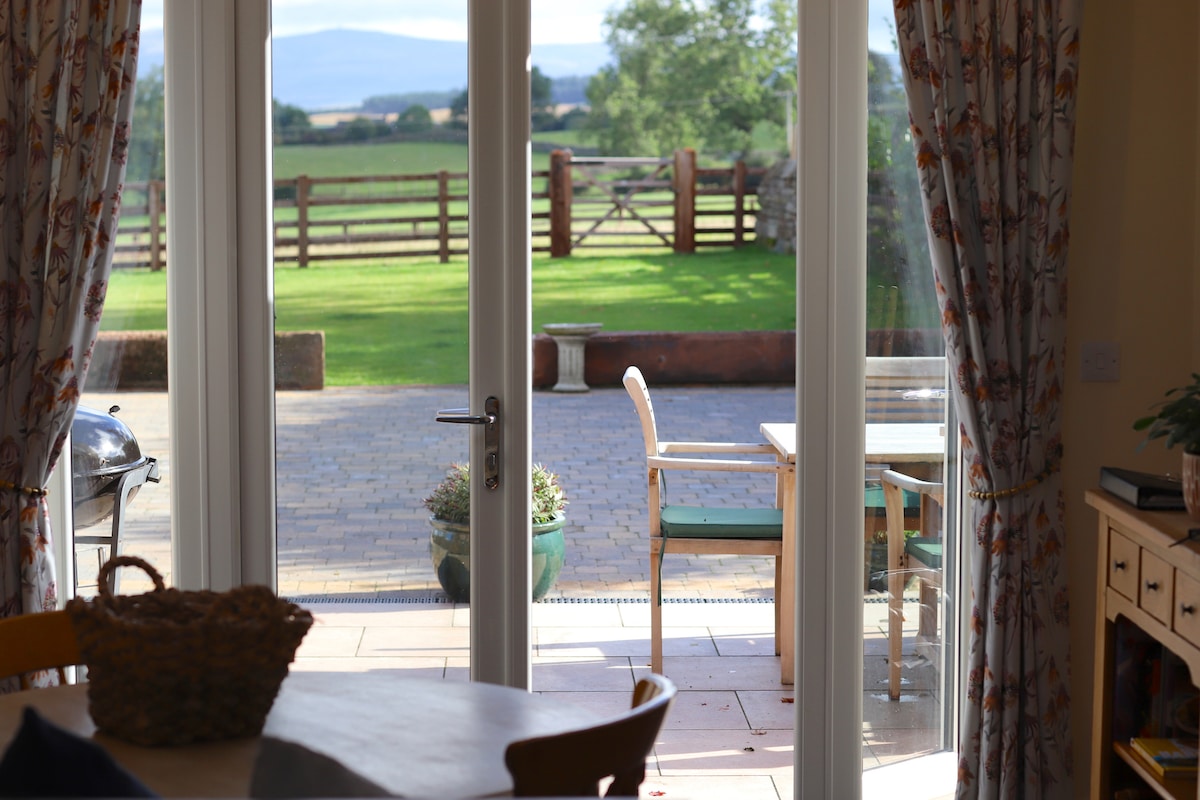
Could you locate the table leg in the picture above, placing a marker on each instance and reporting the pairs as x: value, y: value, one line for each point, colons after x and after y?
x: 785, y: 599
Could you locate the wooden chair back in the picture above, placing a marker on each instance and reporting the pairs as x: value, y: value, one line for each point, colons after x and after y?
x: 32, y: 642
x: 572, y: 764
x: 635, y: 385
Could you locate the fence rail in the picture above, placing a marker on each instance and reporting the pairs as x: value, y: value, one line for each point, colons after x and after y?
x: 579, y: 202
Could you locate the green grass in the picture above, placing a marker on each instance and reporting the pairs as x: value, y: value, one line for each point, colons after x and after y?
x: 406, y: 323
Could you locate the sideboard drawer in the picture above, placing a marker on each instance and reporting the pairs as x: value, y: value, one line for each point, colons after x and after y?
x: 1155, y: 589
x: 1187, y: 607
x: 1123, y: 565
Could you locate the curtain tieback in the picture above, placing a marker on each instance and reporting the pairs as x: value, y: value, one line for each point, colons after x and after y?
x: 1024, y: 487
x: 32, y: 491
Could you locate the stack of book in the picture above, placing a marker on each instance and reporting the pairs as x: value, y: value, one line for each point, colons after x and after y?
x: 1143, y: 489
x: 1168, y: 758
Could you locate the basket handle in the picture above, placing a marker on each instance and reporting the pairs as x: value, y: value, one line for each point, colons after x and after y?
x: 127, y: 561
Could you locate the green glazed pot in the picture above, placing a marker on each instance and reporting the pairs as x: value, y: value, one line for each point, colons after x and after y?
x: 450, y: 549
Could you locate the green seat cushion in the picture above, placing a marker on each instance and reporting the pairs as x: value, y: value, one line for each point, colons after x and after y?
x: 874, y: 497
x: 696, y: 522
x: 926, y: 550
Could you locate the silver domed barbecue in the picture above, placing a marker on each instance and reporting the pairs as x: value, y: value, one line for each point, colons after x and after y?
x: 108, y: 469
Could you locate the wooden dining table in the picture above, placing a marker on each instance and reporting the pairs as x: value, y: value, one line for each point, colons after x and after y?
x: 413, y: 737
x: 918, y: 445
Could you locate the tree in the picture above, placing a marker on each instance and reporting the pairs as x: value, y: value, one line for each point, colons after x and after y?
x: 897, y: 246
x: 541, y: 100
x: 288, y: 119
x: 414, y: 119
x: 147, y: 160
x: 458, y: 111
x: 693, y: 74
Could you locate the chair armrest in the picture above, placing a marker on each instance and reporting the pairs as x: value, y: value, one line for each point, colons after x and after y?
x: 720, y: 465
x: 764, y: 448
x: 911, y: 484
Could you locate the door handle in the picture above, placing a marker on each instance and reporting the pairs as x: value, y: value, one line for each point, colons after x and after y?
x: 490, y: 420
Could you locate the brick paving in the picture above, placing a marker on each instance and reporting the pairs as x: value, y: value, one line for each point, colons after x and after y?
x: 354, y: 463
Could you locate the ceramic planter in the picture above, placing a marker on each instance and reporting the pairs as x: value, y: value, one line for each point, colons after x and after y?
x: 450, y: 549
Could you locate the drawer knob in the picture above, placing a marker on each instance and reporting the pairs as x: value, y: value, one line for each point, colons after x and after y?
x: 1151, y: 586
x: 1118, y: 565
x: 1185, y: 609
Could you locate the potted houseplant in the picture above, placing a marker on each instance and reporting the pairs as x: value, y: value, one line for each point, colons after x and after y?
x: 1178, y: 421
x: 450, y: 542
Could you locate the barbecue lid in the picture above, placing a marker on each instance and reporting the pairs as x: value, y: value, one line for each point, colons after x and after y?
x: 102, y: 445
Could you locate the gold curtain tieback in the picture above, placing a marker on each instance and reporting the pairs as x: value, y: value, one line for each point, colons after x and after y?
x: 32, y: 491
x: 1024, y: 487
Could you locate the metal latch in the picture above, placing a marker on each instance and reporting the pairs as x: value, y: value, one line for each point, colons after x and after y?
x: 490, y: 420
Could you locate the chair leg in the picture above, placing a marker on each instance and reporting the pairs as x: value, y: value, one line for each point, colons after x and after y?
x: 778, y: 603
x: 895, y: 623
x: 656, y: 644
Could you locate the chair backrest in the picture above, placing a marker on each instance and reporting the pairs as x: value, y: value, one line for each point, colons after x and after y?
x: 572, y: 764
x: 635, y: 384
x: 32, y: 642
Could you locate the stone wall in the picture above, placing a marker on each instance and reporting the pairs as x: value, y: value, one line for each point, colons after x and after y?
x: 775, y: 227
x: 137, y: 361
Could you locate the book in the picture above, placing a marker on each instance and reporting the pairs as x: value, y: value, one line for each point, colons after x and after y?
x: 1143, y: 489
x: 1167, y: 757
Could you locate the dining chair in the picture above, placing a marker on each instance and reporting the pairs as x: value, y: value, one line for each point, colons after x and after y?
x: 40, y: 641
x: 573, y: 764
x: 919, y: 555
x: 702, y: 530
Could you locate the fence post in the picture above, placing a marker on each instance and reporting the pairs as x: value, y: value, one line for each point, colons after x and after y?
x: 152, y: 208
x: 443, y: 216
x: 739, y: 203
x: 302, y: 183
x: 685, y: 200
x: 560, y: 189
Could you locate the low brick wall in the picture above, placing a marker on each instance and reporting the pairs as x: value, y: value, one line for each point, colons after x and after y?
x: 753, y: 357
x: 137, y: 360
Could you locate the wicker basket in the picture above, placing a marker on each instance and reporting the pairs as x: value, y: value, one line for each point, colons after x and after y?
x: 170, y: 667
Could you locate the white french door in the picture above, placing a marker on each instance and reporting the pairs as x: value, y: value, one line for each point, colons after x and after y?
x: 221, y: 307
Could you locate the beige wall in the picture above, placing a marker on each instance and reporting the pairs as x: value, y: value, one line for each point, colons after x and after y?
x: 1133, y: 269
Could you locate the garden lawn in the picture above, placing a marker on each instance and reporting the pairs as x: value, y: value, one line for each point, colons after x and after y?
x: 406, y: 323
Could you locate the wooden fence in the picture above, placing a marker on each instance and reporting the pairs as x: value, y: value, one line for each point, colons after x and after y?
x: 580, y: 202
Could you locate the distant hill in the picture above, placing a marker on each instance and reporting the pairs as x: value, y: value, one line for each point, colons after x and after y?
x: 338, y: 69
x: 341, y: 68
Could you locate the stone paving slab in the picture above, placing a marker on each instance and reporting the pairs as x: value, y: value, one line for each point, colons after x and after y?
x: 354, y: 463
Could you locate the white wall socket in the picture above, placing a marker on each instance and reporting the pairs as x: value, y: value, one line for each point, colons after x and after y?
x: 1100, y: 361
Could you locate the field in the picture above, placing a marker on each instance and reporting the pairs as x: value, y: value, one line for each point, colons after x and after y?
x: 406, y: 323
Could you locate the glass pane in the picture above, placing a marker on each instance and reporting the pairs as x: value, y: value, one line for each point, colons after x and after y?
x: 908, y: 617
x: 370, y: 171
x: 125, y: 395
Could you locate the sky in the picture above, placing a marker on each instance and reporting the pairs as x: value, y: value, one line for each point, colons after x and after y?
x: 553, y: 21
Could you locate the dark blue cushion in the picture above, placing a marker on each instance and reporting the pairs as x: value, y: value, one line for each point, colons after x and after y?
x: 44, y: 760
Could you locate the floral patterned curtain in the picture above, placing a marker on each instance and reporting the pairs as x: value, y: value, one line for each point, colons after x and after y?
x: 991, y: 94
x: 67, y: 75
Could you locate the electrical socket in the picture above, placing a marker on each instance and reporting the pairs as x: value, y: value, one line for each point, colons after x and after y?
x: 1100, y: 362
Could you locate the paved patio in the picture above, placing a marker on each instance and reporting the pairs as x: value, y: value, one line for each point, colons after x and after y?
x: 353, y: 465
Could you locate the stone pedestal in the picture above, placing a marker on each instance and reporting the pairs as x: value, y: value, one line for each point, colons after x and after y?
x: 571, y: 338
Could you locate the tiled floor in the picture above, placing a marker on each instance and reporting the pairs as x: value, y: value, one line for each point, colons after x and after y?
x: 729, y: 733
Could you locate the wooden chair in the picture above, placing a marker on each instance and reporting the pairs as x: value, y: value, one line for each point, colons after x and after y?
x: 572, y: 764
x: 920, y: 555
x: 702, y: 530
x: 33, y: 642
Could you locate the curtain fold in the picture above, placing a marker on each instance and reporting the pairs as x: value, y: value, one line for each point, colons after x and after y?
x: 991, y: 93
x: 67, y: 76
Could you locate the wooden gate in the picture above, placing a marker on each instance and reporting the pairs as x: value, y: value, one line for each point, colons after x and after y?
x: 622, y: 202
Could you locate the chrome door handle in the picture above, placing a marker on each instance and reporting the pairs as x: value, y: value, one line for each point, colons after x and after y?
x: 490, y: 420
